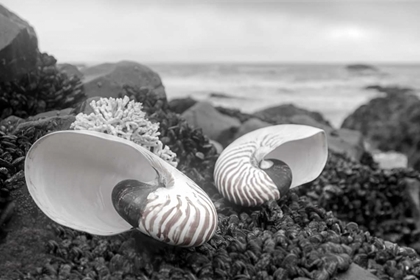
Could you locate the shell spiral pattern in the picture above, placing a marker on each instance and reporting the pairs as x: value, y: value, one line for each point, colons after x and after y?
x: 238, y: 175
x: 66, y: 167
x: 178, y: 220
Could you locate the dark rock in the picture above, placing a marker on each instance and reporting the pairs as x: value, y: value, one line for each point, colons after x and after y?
x: 390, y: 123
x: 18, y: 46
x: 221, y: 95
x: 180, y: 105
x: 250, y: 125
x: 282, y: 113
x: 215, y: 125
x: 70, y: 70
x: 361, y: 67
x: 108, y: 79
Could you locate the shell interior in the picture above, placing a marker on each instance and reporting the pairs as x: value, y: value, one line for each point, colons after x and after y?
x: 71, y: 175
x: 306, y: 157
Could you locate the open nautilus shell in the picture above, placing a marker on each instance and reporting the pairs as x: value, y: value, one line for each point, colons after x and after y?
x: 105, y: 185
x: 264, y: 164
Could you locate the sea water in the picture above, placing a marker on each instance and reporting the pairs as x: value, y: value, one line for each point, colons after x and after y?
x: 331, y: 89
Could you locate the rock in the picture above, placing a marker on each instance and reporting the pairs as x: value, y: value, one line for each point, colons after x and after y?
x: 250, y: 125
x: 390, y: 123
x: 342, y: 141
x: 355, y: 272
x: 180, y: 105
x: 18, y: 46
x: 361, y: 68
x: 53, y: 113
x: 52, y: 123
x: 108, y: 79
x: 215, y: 125
x: 70, y: 70
x: 283, y: 112
x: 222, y: 95
x: 391, y: 159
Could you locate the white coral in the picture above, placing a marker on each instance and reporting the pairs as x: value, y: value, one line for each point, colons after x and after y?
x: 125, y: 119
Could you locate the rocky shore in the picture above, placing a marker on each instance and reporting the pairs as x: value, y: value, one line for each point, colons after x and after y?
x: 356, y: 221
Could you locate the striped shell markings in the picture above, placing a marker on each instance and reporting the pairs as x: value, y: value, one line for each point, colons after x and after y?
x: 106, y: 185
x: 297, y: 152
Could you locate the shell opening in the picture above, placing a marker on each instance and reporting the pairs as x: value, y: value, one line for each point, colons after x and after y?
x: 306, y: 157
x: 71, y: 176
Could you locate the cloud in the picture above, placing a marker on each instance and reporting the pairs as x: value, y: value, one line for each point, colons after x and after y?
x: 96, y: 31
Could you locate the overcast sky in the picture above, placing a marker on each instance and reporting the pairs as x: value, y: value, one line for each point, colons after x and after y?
x: 95, y: 31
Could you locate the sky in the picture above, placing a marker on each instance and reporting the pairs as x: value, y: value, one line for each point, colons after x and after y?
x: 336, y: 31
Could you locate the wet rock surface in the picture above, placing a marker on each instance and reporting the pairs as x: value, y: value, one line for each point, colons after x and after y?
x: 390, y: 123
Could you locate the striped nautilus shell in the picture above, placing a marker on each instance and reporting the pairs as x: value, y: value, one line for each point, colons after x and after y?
x: 264, y: 164
x: 105, y: 185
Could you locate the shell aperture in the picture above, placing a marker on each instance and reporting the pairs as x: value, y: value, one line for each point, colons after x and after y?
x: 129, y: 199
x: 279, y: 172
x: 246, y: 174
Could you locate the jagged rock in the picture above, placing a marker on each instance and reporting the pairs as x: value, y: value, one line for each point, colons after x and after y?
x: 108, y: 79
x: 18, y: 46
x: 215, y: 125
x: 283, y: 112
x: 390, y: 123
x: 180, y: 105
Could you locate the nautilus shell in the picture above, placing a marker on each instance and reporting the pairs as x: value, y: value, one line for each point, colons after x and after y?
x: 106, y: 185
x: 264, y: 164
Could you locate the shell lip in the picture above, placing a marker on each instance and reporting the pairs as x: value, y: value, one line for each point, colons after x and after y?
x: 44, y: 202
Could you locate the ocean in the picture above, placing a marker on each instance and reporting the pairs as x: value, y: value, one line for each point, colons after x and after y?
x: 332, y: 89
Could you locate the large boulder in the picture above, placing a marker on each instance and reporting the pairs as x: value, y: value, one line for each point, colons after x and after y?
x: 390, y: 123
x: 108, y: 79
x: 18, y: 46
x: 215, y: 125
x: 180, y: 105
x: 282, y: 113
